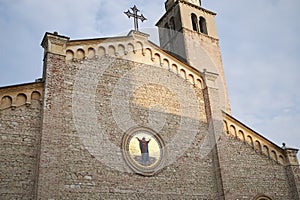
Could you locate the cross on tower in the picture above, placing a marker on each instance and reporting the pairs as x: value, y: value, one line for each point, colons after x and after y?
x: 135, y: 16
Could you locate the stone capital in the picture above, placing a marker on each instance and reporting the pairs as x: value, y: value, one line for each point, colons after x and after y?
x: 210, y: 79
x: 54, y: 43
x: 291, y: 155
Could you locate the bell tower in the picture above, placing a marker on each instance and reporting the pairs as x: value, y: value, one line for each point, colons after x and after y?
x: 188, y: 31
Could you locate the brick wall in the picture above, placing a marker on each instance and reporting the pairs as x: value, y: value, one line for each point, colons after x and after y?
x: 68, y: 169
x: 52, y: 128
x: 81, y: 173
x: 247, y: 173
x: 19, y: 138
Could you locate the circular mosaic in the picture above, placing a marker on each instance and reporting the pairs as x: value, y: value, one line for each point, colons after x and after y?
x: 143, y: 151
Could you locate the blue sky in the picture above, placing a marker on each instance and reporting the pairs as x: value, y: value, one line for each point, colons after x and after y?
x: 259, y: 41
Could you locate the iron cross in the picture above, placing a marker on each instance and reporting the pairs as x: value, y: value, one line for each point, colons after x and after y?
x: 135, y: 16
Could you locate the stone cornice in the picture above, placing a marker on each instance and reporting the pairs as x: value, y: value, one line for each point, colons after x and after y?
x: 189, y: 4
x: 37, y: 83
x: 195, y: 6
x: 94, y: 40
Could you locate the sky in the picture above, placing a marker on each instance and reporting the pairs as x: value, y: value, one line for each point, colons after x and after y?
x: 259, y: 42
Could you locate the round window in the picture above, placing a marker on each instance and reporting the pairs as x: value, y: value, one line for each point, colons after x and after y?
x: 143, y: 151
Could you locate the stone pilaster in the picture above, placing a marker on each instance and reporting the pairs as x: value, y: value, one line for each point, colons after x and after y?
x: 52, y: 123
x: 293, y: 172
x: 291, y: 155
x: 215, y: 127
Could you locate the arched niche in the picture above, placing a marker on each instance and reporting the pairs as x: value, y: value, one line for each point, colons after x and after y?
x: 121, y: 50
x: 225, y: 126
x: 281, y: 159
x: 69, y: 55
x: 35, y: 96
x: 91, y: 52
x: 266, y: 150
x: 21, y: 99
x: 140, y: 47
x: 183, y: 73
x: 199, y: 83
x: 111, y: 50
x: 6, y: 102
x: 257, y: 146
x: 166, y: 63
x: 232, y: 130
x: 148, y: 54
x: 80, y: 54
x: 101, y: 51
x: 241, y: 135
x: 130, y: 48
x: 191, y: 79
x: 250, y: 140
x: 274, y: 155
x: 157, y: 59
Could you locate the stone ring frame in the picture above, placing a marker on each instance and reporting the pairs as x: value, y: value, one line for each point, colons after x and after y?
x: 150, y: 161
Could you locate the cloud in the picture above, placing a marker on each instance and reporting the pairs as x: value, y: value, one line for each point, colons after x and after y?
x: 22, y: 25
x: 67, y: 15
x: 281, y: 128
x: 114, y: 21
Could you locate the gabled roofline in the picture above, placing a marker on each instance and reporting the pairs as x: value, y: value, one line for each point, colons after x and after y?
x: 130, y: 35
x: 96, y: 39
x: 21, y: 84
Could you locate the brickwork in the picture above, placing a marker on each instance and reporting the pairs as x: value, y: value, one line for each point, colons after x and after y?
x: 81, y: 173
x: 246, y: 173
x: 284, y: 157
x: 234, y: 128
x: 52, y: 128
x: 213, y: 115
x: 296, y: 176
x: 19, y: 139
x: 293, y: 174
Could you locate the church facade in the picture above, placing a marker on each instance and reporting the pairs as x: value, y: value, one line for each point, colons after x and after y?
x: 122, y: 118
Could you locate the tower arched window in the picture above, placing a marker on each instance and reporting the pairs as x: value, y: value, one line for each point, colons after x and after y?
x: 167, y: 31
x: 167, y: 26
x: 203, y: 27
x: 172, y: 26
x: 194, y: 22
x: 172, y: 23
